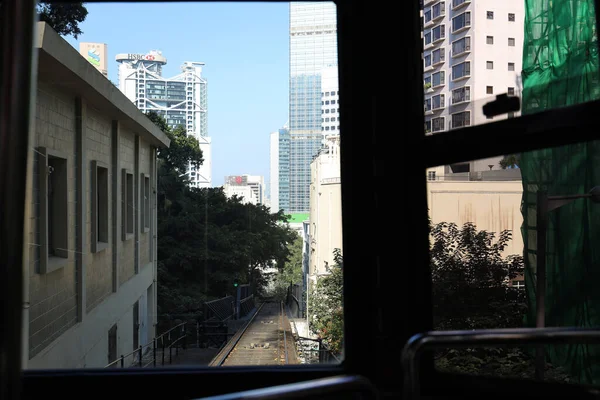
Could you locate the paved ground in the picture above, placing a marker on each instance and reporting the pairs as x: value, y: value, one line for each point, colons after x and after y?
x: 264, y: 341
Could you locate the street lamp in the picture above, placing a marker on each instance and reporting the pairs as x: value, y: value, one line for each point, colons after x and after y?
x: 545, y: 204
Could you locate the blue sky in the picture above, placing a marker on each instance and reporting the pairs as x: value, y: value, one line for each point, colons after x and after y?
x: 246, y: 50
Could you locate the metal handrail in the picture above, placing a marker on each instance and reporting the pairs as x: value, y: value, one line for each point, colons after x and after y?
x: 152, y: 343
x: 484, y: 337
x: 348, y: 385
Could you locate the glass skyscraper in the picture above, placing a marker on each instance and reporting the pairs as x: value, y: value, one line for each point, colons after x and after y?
x: 313, y: 47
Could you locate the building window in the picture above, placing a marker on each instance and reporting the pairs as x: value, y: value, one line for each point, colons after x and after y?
x: 437, y: 124
x: 490, y: 65
x: 461, y: 119
x: 511, y: 17
x: 427, y: 38
x: 437, y: 102
x: 489, y: 90
x: 489, y: 39
x: 511, y: 66
x: 511, y: 42
x: 54, y: 215
x: 438, y: 79
x: 431, y: 175
x: 518, y: 284
x: 511, y: 91
x: 99, y: 206
x: 327, y: 102
x: 461, y: 70
x: 332, y: 101
x: 461, y: 95
x: 127, y: 202
x: 439, y: 32
x: 427, y: 60
x: 460, y: 46
x: 112, y: 344
x: 146, y: 203
x: 461, y: 21
x: 490, y: 15
x: 437, y: 56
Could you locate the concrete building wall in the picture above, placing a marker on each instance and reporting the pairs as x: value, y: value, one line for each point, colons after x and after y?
x: 325, y: 211
x: 491, y: 206
x: 53, y: 303
x: 127, y: 161
x: 99, y: 265
x: 74, y: 295
x: 145, y: 169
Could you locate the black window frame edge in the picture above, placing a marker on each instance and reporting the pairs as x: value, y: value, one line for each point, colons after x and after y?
x: 190, y: 382
x: 414, y: 302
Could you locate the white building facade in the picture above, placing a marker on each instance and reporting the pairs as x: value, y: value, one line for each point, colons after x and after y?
x: 181, y: 100
x: 250, y: 187
x: 330, y: 101
x: 472, y: 52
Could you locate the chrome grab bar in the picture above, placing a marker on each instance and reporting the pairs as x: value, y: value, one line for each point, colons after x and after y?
x: 348, y: 386
x: 484, y: 337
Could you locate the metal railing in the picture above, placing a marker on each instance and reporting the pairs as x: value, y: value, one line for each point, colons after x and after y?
x: 162, y: 343
x: 321, y: 355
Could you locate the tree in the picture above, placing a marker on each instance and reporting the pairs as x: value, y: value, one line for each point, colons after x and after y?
x: 510, y: 161
x: 326, y: 306
x: 470, y: 279
x: 470, y: 291
x: 184, y: 149
x: 64, y: 18
x: 205, y: 239
x: 290, y: 270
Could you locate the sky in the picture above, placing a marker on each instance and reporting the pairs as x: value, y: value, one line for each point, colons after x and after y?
x: 246, y: 50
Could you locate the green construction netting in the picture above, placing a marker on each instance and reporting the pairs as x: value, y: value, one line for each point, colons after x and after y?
x: 560, y: 68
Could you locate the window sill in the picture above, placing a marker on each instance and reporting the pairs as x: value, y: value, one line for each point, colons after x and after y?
x: 99, y: 246
x: 54, y: 263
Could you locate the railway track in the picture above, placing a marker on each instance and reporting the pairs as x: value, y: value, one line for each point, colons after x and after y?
x: 265, y: 340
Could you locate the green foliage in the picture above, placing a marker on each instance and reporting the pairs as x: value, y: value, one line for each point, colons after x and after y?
x: 206, y: 240
x: 505, y: 362
x: 510, y: 161
x: 326, y: 305
x: 183, y: 150
x: 64, y: 18
x: 470, y: 291
x: 289, y: 270
x: 470, y: 279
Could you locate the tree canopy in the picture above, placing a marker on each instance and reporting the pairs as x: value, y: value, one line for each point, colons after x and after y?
x: 64, y: 18
x: 205, y: 239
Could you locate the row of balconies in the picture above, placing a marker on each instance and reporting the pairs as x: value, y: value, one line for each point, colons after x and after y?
x: 457, y: 120
x: 438, y: 102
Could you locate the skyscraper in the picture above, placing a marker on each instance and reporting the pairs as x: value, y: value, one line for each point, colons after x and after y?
x: 181, y: 100
x: 279, y: 185
x: 313, y: 47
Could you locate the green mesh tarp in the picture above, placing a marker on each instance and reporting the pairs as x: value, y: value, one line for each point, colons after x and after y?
x: 560, y: 68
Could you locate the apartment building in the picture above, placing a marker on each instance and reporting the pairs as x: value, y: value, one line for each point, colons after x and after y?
x: 472, y: 52
x: 91, y: 292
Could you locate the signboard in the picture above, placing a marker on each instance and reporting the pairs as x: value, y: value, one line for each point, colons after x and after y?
x: 148, y: 57
x: 95, y: 54
x: 151, y: 56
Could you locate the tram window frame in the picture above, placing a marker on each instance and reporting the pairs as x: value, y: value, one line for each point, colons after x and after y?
x: 366, y: 333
